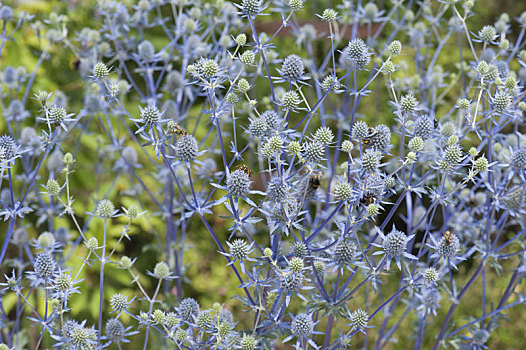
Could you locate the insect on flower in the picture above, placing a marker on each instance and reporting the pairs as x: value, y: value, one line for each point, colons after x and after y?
x: 315, y: 181
x: 368, y: 198
x: 177, y: 129
x: 74, y: 63
x: 367, y: 140
x: 245, y: 169
x: 448, y: 238
x: 435, y: 123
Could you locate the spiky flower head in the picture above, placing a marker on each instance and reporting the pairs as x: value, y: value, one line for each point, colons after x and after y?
x: 347, y: 146
x: 251, y: 7
x: 515, y: 198
x: 258, y: 127
x: 296, y: 264
x: 448, y: 129
x: 125, y: 262
x: 299, y: 249
x: 115, y: 330
x: 518, y: 160
x: 239, y: 249
x: 105, y: 209
x: 296, y: 4
x: 388, y: 67
x: 62, y: 282
x: 243, y: 85
x: 358, y: 53
x: 291, y: 282
x: 46, y: 239
x: 416, y: 144
x: 395, y: 243
x: 370, y: 11
x: 180, y: 335
x: 53, y: 187
x: 395, y: 47
x: 381, y: 137
x: 188, y: 309
x: 92, y: 243
x: 430, y: 297
x: 502, y: 101
x: 313, y: 150
x: 186, y: 148
x: 481, y: 164
x: 324, y: 135
x: 344, y: 252
x: 408, y: 103
x: 241, y: 39
x: 330, y: 81
x: 370, y: 161
x: 161, y: 270
x: 480, y: 336
x: 272, y: 119
x: 294, y: 147
x: 389, y: 182
x: 292, y: 68
x: 146, y: 51
x: 464, y: 104
x: 150, y: 115
x: 319, y: 266
x: 448, y: 245
x: 359, y: 318
x: 290, y: 100
x: 83, y: 337
x: 277, y: 189
x: 329, y: 15
x: 57, y: 114
x: 44, y: 265
x: 247, y: 57
x: 487, y: 33
x: 423, y: 127
x: 360, y: 130
x: 373, y: 209
x: 238, y: 183
x: 208, y: 67
x: 343, y: 191
x: 119, y: 302
x: 100, y: 71
x: 431, y: 275
x: 274, y: 144
x: 302, y: 326
x: 453, y: 154
x: 204, y: 320
x: 248, y: 342
x: 158, y: 316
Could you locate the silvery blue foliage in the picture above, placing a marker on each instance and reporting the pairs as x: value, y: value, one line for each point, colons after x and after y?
x: 317, y: 196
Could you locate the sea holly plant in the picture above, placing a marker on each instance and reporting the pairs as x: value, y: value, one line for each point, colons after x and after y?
x: 201, y: 183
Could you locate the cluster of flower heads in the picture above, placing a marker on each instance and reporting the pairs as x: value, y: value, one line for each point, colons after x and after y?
x: 322, y: 182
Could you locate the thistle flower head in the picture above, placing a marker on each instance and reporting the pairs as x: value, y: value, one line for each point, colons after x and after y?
x: 188, y: 309
x: 423, y: 127
x: 119, y: 302
x: 395, y: 243
x: 344, y: 252
x: 359, y: 319
x: 302, y: 326
x: 238, y: 183
x: 105, y: 209
x: 44, y: 265
x: 100, y: 70
x: 186, y: 148
x: 292, y: 68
